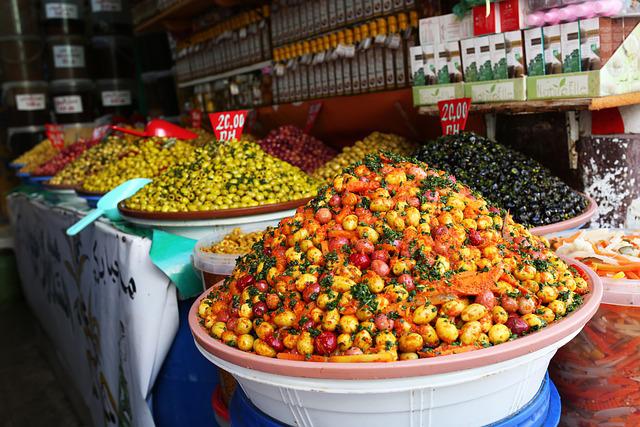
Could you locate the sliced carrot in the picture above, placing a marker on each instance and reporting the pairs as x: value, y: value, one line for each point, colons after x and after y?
x: 633, y: 266
x: 301, y: 357
x: 342, y: 233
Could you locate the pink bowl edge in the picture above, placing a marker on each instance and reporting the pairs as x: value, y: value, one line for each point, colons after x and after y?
x: 568, y: 224
x: 411, y: 368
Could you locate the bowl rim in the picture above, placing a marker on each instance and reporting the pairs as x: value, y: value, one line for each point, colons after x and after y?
x: 408, y: 368
x: 568, y: 224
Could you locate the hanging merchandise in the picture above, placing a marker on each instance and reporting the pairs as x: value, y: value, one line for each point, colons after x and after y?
x: 67, y: 57
x: 63, y: 17
x: 27, y: 102
x: 73, y: 100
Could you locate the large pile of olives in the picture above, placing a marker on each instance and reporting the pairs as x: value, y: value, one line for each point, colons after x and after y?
x: 237, y: 174
x: 506, y: 177
x: 146, y: 159
x: 92, y: 161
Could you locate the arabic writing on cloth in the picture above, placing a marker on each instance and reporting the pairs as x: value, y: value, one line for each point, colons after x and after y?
x: 111, y: 314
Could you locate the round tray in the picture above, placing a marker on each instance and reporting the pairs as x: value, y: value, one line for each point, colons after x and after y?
x: 575, y: 222
x: 84, y: 193
x: 58, y: 187
x: 568, y: 325
x: 218, y: 214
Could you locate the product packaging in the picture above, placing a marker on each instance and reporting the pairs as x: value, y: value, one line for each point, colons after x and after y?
x: 429, y: 67
x: 454, y: 62
x: 552, y: 49
x: 483, y: 56
x: 442, y: 63
x: 469, y: 61
x: 590, y: 44
x: 417, y: 63
x: 512, y: 14
x: 515, y: 54
x: 483, y: 24
x: 534, y: 51
x: 570, y: 41
x: 498, y: 56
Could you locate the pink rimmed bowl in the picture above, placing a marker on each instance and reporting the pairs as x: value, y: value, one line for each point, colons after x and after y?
x: 469, y: 389
x: 571, y: 223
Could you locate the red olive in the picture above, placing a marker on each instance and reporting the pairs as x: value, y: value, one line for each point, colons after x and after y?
x: 311, y: 292
x: 245, y: 281
x: 273, y: 301
x: 326, y: 343
x: 359, y: 260
x: 261, y: 285
x: 475, y: 238
x: 383, y: 323
x: 274, y: 342
x: 323, y: 215
x: 380, y: 267
x: 516, y: 325
x: 335, y: 201
x: 486, y: 298
x: 406, y: 280
x: 259, y: 309
x: 381, y: 255
x: 509, y: 304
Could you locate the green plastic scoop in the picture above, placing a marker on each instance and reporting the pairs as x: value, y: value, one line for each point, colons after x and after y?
x: 108, y: 204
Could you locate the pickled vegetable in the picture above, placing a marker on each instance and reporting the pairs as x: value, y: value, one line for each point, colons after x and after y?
x: 39, y: 154
x: 505, y: 177
x: 64, y: 157
x: 372, y: 144
x: 392, y: 261
x: 235, y: 242
x: 237, y: 174
x: 292, y: 145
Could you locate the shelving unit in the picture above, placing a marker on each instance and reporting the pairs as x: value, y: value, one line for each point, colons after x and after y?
x: 224, y: 75
x: 175, y: 17
x: 545, y: 106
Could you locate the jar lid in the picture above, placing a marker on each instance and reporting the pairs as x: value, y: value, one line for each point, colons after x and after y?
x: 66, y: 39
x: 71, y: 84
x: 36, y: 84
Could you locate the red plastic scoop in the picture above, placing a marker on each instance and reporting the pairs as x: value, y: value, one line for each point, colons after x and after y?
x: 161, y: 128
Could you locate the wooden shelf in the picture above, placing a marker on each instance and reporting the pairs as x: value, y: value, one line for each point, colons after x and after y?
x: 226, y: 74
x: 175, y: 17
x: 546, y: 106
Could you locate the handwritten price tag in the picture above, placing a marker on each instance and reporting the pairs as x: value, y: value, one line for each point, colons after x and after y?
x: 228, y: 125
x: 196, y: 118
x: 453, y: 115
x: 55, y: 134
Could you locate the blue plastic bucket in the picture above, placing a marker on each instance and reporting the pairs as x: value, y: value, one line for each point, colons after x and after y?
x: 182, y: 392
x: 542, y: 411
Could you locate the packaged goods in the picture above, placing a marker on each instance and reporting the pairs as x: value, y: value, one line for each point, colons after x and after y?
x: 512, y: 15
x: 509, y: 179
x: 590, y: 44
x: 392, y: 261
x: 454, y: 62
x: 515, y: 54
x: 483, y: 55
x: 484, y: 24
x: 534, y: 51
x: 498, y: 56
x: 552, y: 49
x: 570, y: 40
x: 441, y: 63
x: 237, y: 174
x: 469, y: 60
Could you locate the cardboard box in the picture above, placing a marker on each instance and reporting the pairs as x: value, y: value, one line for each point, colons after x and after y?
x: 483, y: 56
x: 512, y: 14
x: 590, y: 44
x: 570, y: 41
x: 534, y: 51
x: 429, y: 67
x: 497, y: 90
x: 417, y: 64
x: 454, y: 65
x: 454, y: 29
x: 429, y: 30
x: 469, y: 60
x: 483, y: 24
x: 441, y: 63
x: 515, y: 54
x: 498, y: 56
x: 552, y: 50
x: 430, y: 95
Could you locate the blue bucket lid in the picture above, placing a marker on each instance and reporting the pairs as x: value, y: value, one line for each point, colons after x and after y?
x: 542, y: 411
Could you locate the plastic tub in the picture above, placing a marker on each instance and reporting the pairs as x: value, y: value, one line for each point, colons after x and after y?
x: 115, y: 96
x: 67, y: 57
x: 112, y: 57
x: 542, y: 411
x: 110, y: 17
x: 73, y: 100
x: 215, y: 267
x: 27, y: 103
x: 21, y: 58
x: 597, y: 375
x: 18, y: 17
x: 468, y: 389
x: 63, y: 17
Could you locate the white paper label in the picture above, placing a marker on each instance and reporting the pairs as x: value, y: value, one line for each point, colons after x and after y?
x: 68, y: 56
x: 116, y: 98
x: 61, y: 11
x: 67, y: 104
x: 30, y: 102
x: 106, y: 5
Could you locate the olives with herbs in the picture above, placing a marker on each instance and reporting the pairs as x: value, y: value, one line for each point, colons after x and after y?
x: 505, y: 177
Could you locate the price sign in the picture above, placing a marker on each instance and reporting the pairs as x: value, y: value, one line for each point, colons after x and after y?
x: 312, y: 116
x: 55, y: 134
x: 196, y: 118
x: 229, y: 124
x: 453, y: 115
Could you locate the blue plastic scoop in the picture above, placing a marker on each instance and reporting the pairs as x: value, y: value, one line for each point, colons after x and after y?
x: 108, y: 204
